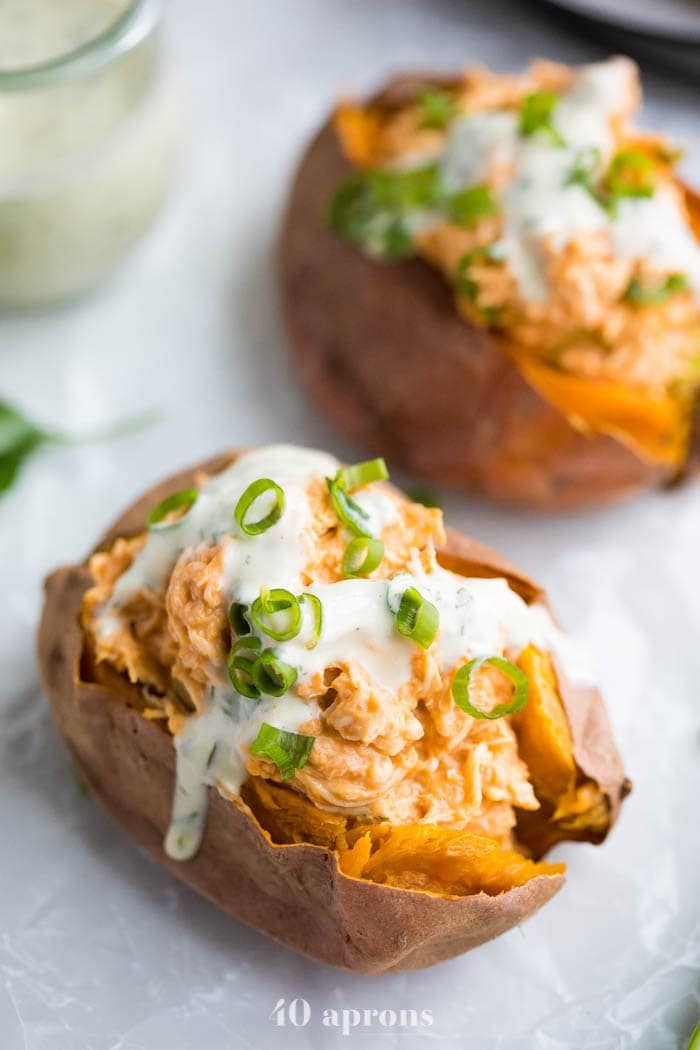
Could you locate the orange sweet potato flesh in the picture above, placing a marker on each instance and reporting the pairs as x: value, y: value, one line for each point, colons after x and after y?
x: 544, y: 738
x: 385, y: 354
x: 291, y: 817
x: 654, y: 427
x: 370, y: 900
x: 437, y: 860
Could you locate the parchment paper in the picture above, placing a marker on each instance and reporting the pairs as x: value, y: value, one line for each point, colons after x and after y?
x: 101, y: 950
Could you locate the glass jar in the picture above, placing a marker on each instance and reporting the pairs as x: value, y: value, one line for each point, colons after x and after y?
x: 89, y: 129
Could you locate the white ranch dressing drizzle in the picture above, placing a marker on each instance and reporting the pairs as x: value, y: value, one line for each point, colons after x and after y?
x: 477, y: 617
x: 485, y: 616
x: 476, y: 143
x: 212, y: 749
x: 274, y: 558
x: 651, y: 228
x: 538, y: 202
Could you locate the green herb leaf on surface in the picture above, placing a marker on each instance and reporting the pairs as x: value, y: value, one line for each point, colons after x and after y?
x: 20, y: 438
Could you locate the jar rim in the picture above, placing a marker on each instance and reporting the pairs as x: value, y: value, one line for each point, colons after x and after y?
x: 129, y: 28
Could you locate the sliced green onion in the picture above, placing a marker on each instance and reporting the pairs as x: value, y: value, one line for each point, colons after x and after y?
x: 238, y: 617
x: 360, y: 474
x: 631, y: 174
x: 349, y: 512
x: 317, y: 613
x: 371, y: 208
x: 272, y: 607
x: 185, y: 498
x: 362, y: 556
x: 428, y: 499
x: 437, y: 109
x: 357, y: 213
x: 417, y: 618
x: 251, y: 494
x: 395, y: 588
x: 250, y: 643
x: 289, y: 751
x: 466, y: 285
x: 241, y: 667
x: 460, y: 687
x: 536, y: 114
x: 694, y: 1043
x: 472, y: 204
x: 272, y: 675
x: 644, y: 295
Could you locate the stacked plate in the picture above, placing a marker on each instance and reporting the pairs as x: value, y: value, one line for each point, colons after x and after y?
x: 666, y: 31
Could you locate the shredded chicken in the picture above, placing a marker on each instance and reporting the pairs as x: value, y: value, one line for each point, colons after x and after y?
x: 407, y: 757
x: 197, y: 618
x: 586, y: 326
x: 416, y: 528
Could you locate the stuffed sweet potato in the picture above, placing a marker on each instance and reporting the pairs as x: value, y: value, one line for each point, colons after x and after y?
x: 349, y: 729
x: 495, y: 279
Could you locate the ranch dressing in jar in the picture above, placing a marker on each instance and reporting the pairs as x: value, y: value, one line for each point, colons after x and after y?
x: 89, y: 126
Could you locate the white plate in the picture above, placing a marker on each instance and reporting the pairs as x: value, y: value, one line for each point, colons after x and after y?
x: 671, y: 19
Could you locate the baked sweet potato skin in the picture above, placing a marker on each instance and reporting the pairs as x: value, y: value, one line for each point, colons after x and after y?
x: 382, y: 350
x: 292, y: 893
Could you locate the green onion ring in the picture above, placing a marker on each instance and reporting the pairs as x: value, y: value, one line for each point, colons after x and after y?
x: 631, y: 174
x: 254, y: 490
x: 238, y: 617
x: 272, y: 675
x: 359, y: 474
x: 241, y: 667
x: 460, y: 687
x: 289, y: 751
x: 349, y: 512
x: 249, y: 643
x: 276, y: 601
x: 362, y: 556
x: 185, y: 498
x: 417, y: 618
x: 317, y: 612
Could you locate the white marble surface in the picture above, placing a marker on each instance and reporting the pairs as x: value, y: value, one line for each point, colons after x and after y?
x: 100, y: 950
